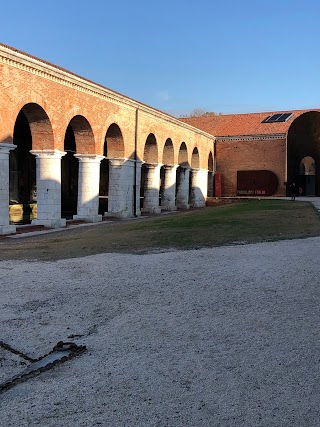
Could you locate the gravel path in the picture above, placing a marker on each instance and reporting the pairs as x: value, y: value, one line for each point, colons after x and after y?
x: 226, y: 337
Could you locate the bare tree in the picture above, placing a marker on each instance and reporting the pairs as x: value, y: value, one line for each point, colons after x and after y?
x: 199, y: 112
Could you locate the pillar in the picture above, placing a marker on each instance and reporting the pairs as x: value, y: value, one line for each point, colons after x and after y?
x: 199, y: 187
x: 151, y: 190
x: 88, y: 187
x: 168, y: 197
x: 48, y: 173
x: 183, y: 188
x: 5, y: 227
x: 122, y: 188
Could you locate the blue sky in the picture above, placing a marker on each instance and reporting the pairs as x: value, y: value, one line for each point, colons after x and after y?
x: 226, y: 56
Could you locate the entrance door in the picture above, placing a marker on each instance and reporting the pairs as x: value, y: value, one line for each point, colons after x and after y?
x: 310, y: 185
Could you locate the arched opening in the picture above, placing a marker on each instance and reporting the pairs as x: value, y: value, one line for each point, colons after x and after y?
x: 113, y: 148
x: 210, y: 176
x: 195, y: 162
x: 168, y: 153
x: 150, y: 155
x: 195, y: 159
x: 32, y: 131
x: 307, y: 177
x: 69, y: 176
x: 114, y: 144
x: 182, y: 161
x: 303, y: 153
x: 78, y: 139
x: 167, y: 159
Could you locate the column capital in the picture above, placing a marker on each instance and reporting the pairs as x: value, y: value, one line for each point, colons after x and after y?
x: 187, y: 167
x: 51, y: 154
x: 153, y: 165
x: 6, y: 148
x: 171, y: 167
x: 119, y: 161
x: 89, y: 158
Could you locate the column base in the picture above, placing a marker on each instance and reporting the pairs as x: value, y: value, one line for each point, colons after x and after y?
x: 199, y: 204
x: 168, y: 208
x: 183, y: 206
x: 121, y: 215
x: 88, y: 218
x: 156, y: 210
x: 8, y: 229
x: 51, y: 223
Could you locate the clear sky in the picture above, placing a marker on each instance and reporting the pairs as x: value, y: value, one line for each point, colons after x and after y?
x: 229, y: 56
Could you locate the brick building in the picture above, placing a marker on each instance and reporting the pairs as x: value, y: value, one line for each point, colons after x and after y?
x: 73, y: 149
x: 70, y: 148
x: 260, y: 154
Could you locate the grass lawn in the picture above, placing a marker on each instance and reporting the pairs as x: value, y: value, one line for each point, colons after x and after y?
x: 248, y: 221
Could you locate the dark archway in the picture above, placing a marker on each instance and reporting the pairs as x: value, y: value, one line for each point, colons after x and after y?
x: 182, y: 161
x: 210, y: 192
x: 69, y: 176
x: 303, y: 142
x: 32, y: 131
x: 150, y: 154
x: 113, y: 148
x: 78, y: 139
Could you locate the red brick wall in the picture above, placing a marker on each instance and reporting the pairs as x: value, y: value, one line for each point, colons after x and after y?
x: 232, y: 156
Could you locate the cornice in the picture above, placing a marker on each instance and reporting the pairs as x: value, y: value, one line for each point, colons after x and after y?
x: 35, y: 66
x: 237, y: 138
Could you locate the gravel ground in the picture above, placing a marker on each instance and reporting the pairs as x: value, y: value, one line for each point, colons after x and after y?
x: 226, y: 336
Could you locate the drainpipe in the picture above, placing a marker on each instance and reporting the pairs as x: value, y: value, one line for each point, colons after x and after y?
x: 135, y: 166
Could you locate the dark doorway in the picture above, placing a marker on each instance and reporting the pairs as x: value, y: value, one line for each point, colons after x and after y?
x: 303, y: 153
x: 69, y: 176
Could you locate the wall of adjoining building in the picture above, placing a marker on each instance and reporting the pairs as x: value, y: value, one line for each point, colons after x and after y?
x: 233, y: 155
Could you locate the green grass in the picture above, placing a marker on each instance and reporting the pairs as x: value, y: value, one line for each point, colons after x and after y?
x: 249, y: 221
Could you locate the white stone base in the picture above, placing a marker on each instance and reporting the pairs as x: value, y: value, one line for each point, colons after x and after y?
x: 183, y: 206
x: 122, y: 214
x: 154, y: 210
x: 51, y: 223
x: 168, y: 208
x: 8, y: 229
x: 89, y: 218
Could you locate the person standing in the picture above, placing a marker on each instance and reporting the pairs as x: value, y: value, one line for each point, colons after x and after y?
x: 293, y: 191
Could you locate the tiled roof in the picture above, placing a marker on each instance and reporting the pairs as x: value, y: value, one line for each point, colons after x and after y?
x: 243, y: 124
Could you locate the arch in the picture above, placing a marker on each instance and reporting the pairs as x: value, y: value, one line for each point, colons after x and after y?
x: 307, y: 166
x: 195, y: 162
x: 168, y: 153
x: 150, y: 154
x: 210, y: 162
x: 183, y: 155
x: 77, y: 133
x: 32, y: 131
x: 303, y: 150
x: 307, y: 182
x: 114, y: 144
x: 39, y: 124
x: 210, y: 186
x: 83, y: 134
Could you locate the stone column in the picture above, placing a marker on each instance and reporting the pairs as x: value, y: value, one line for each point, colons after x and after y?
x: 152, y: 186
x: 48, y: 173
x: 137, y: 185
x: 168, y: 200
x: 88, y: 187
x: 5, y: 227
x: 199, y: 187
x: 183, y: 188
x: 121, y: 188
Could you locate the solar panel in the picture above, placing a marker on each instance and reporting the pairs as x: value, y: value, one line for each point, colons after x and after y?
x: 278, y: 117
x: 284, y: 117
